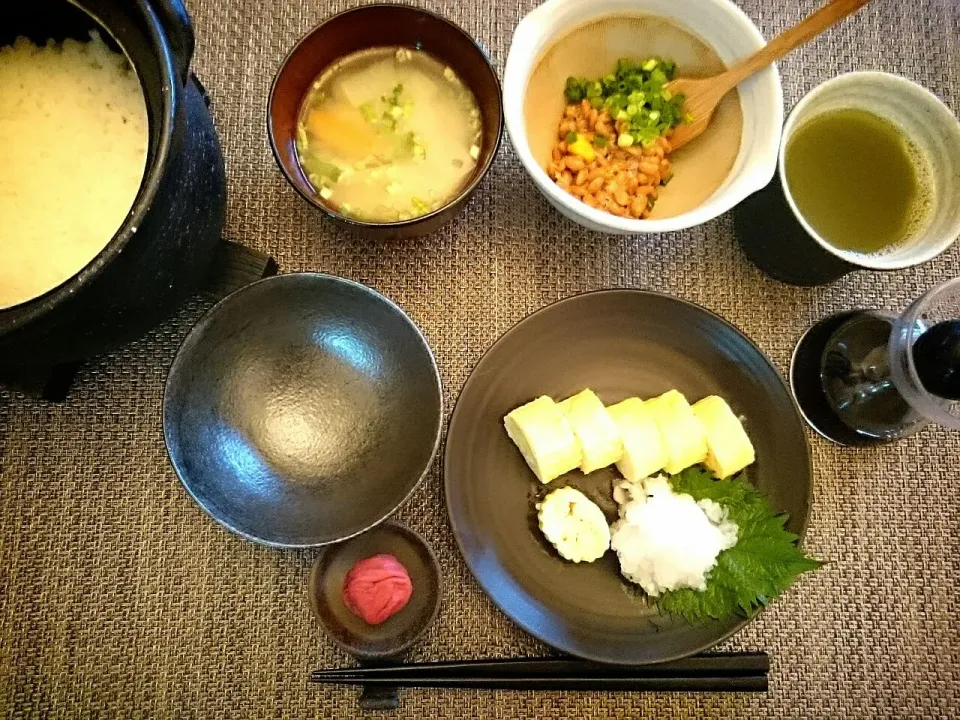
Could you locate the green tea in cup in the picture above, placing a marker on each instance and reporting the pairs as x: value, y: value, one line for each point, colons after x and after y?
x: 859, y: 181
x: 869, y: 170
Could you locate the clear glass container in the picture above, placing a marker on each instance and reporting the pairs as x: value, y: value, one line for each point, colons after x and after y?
x: 939, y: 305
x: 864, y: 376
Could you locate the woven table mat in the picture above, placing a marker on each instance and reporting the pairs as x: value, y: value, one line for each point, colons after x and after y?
x: 119, y: 597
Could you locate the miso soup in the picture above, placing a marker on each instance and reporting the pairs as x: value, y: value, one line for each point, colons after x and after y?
x: 388, y: 134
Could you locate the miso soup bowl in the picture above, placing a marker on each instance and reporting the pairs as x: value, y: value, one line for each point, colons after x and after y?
x: 722, y: 26
x: 372, y: 26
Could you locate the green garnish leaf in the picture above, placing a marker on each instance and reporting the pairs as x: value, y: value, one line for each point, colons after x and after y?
x: 571, y: 137
x: 418, y: 206
x: 635, y: 93
x: 325, y: 172
x: 625, y: 67
x: 576, y: 89
x: 412, y: 147
x: 762, y: 565
x: 369, y: 114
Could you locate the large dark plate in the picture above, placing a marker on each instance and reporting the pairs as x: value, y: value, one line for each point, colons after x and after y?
x: 618, y: 343
x: 302, y: 410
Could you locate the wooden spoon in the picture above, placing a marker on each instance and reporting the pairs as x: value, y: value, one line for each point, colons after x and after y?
x: 703, y: 95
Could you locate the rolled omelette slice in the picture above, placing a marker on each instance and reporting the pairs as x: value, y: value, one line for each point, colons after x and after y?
x: 574, y: 525
x: 644, y: 452
x: 729, y: 450
x: 598, y: 434
x: 541, y: 432
x: 684, y: 437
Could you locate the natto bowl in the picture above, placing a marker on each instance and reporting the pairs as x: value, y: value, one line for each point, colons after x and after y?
x: 720, y: 25
x: 368, y: 27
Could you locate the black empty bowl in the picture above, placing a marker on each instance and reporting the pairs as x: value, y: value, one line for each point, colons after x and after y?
x: 302, y: 410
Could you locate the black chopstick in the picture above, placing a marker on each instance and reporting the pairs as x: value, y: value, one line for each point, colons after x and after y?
x: 693, y: 683
x: 715, y: 664
x: 735, y: 672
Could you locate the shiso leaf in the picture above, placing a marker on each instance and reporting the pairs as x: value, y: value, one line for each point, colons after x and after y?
x: 762, y: 565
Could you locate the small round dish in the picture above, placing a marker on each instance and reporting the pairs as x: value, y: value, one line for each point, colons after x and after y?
x: 302, y: 410
x: 392, y: 637
x: 368, y: 27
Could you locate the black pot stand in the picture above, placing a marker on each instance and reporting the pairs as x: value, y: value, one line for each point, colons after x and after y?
x: 233, y: 267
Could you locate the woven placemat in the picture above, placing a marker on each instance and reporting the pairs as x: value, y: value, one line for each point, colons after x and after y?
x: 119, y: 597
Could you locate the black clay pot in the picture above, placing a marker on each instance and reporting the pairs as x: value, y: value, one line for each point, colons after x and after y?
x: 162, y: 252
